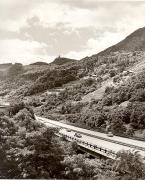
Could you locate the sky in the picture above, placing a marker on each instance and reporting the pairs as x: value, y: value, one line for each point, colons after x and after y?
x: 40, y: 30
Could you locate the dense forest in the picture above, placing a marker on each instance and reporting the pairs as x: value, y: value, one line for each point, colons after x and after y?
x: 96, y: 92
x: 23, y: 156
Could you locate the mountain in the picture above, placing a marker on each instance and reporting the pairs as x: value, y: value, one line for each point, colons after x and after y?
x: 39, y: 63
x: 62, y: 60
x: 134, y: 42
x: 106, y: 88
x: 5, y: 65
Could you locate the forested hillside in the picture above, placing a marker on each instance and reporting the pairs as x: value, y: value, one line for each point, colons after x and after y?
x: 62, y: 60
x: 134, y: 42
x: 101, y: 92
x: 29, y: 150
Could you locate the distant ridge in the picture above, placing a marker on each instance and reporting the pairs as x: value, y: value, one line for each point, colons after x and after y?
x: 134, y: 42
x: 62, y: 60
x: 4, y: 65
x: 39, y: 63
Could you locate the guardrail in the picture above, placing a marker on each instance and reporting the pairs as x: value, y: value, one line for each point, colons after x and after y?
x: 109, y: 153
x: 116, y: 142
x: 93, y: 147
x: 102, y: 138
x: 4, y: 105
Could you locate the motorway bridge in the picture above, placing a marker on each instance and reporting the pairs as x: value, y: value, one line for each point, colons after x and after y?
x: 96, y: 142
x: 92, y: 141
x: 3, y: 106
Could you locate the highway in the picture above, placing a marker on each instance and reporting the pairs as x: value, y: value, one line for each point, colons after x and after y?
x: 113, y: 144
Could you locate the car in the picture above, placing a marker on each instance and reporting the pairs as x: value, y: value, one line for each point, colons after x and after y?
x: 68, y: 130
x: 110, y: 134
x: 78, y: 135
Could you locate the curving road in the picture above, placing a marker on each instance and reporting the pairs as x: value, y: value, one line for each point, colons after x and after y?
x: 114, y: 143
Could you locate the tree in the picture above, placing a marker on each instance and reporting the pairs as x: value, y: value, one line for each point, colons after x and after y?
x: 117, y: 127
x: 112, y: 73
x: 137, y: 115
x: 78, y: 166
x: 42, y: 160
x: 129, y: 165
x: 8, y: 167
x: 27, y: 148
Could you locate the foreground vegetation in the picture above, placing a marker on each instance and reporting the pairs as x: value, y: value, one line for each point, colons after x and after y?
x: 30, y: 150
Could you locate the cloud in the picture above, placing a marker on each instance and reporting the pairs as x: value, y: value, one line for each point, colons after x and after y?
x: 71, y: 28
x: 60, y: 38
x: 95, y: 4
x: 95, y: 45
x: 13, y: 13
x: 15, y: 50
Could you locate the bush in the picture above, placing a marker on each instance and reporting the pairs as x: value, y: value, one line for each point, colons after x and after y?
x: 129, y: 165
x: 112, y: 73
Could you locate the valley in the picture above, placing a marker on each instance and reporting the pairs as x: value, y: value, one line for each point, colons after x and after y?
x: 102, y: 97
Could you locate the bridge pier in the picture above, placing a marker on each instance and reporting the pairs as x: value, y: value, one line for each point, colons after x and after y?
x: 92, y: 149
x: 92, y: 154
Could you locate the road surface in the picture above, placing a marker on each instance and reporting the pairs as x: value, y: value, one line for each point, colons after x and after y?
x: 114, y: 143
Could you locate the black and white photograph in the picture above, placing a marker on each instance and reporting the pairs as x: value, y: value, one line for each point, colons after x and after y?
x: 72, y: 89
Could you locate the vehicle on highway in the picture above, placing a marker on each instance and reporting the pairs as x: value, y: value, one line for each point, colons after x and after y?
x: 110, y: 134
x: 78, y: 135
x: 68, y: 130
